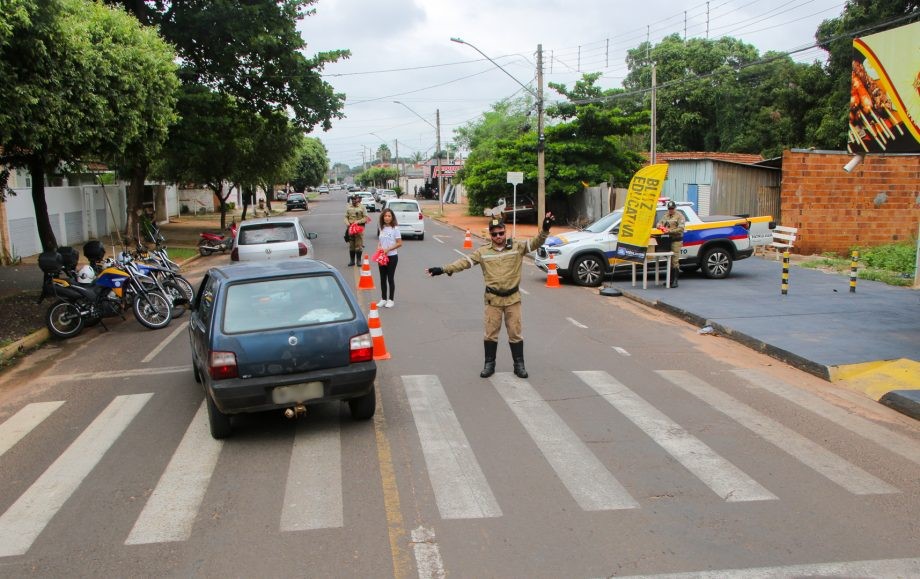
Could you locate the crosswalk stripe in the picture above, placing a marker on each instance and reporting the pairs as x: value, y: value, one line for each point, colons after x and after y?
x: 23, y: 422
x: 459, y: 486
x: 172, y: 507
x: 586, y: 478
x: 313, y: 492
x: 896, y: 443
x: 21, y: 524
x: 724, y: 478
x: 845, y: 474
x: 877, y: 568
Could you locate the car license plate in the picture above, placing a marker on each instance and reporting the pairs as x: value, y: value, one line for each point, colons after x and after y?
x: 297, y: 393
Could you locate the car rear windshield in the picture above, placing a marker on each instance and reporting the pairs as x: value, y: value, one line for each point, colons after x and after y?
x: 403, y: 206
x: 273, y: 304
x: 267, y: 233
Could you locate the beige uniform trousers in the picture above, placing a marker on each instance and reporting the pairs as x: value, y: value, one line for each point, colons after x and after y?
x: 675, y: 247
x: 493, y: 322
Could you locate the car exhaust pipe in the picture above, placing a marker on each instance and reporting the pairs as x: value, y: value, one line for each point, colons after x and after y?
x: 296, y: 411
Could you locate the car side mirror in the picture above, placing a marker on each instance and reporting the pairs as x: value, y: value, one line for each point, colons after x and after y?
x: 615, y: 231
x: 312, y: 235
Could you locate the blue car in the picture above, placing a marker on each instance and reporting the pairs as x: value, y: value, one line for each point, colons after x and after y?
x: 278, y: 336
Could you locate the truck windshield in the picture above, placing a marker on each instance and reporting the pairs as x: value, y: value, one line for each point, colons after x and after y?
x: 606, y: 222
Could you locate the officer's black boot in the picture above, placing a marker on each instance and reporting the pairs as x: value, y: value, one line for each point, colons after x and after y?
x: 489, y: 368
x: 675, y: 273
x: 517, y: 355
x: 351, y: 256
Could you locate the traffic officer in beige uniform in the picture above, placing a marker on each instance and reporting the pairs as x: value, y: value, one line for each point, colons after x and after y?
x: 501, y: 262
x: 673, y: 224
x: 355, y: 214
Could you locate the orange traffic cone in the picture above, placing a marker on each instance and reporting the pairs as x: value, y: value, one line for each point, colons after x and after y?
x: 552, y: 276
x: 468, y: 240
x: 367, y: 280
x: 373, y: 322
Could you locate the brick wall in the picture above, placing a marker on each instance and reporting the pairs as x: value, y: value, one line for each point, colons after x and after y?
x: 877, y: 203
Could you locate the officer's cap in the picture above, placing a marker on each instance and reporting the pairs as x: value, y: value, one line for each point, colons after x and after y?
x: 672, y: 205
x: 496, y: 223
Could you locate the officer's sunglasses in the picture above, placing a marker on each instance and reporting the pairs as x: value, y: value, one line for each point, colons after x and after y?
x: 497, y: 233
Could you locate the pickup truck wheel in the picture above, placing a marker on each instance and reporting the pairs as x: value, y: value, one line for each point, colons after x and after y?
x: 717, y: 263
x: 588, y: 270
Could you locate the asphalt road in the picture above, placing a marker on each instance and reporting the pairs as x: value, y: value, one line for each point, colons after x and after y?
x: 636, y: 447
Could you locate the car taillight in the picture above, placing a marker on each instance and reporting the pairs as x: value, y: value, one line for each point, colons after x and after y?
x: 420, y: 216
x: 746, y: 224
x: 222, y: 365
x: 362, y: 349
x: 302, y: 249
x: 235, y: 254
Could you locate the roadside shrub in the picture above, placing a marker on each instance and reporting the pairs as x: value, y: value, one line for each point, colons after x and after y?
x: 897, y: 257
x: 184, y: 210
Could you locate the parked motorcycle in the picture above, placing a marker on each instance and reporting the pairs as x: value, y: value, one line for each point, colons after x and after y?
x: 164, y: 270
x: 110, y: 292
x: 211, y: 242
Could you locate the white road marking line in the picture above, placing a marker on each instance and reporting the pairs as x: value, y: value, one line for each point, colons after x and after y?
x: 313, y: 492
x: 427, y: 554
x: 835, y: 468
x: 24, y: 421
x: 720, y: 475
x: 876, y: 568
x: 153, y: 353
x: 586, y: 478
x: 126, y: 373
x: 523, y: 291
x: 620, y: 351
x: 438, y: 238
x: 577, y: 323
x: 460, y: 487
x: 897, y: 443
x: 21, y: 524
x: 172, y: 507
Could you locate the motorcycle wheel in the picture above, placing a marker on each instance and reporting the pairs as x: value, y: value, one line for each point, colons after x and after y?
x: 188, y: 291
x: 64, y: 320
x: 175, y: 293
x: 203, y: 248
x: 153, y: 310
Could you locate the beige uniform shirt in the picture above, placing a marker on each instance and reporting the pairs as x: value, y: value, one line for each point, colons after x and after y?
x: 675, y: 224
x: 355, y: 215
x: 501, y: 268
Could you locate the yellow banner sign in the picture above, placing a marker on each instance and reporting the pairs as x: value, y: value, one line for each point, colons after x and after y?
x: 639, y: 212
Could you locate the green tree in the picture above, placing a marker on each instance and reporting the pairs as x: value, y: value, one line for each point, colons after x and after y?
x: 82, y: 82
x: 311, y: 166
x: 250, y: 51
x: 383, y: 154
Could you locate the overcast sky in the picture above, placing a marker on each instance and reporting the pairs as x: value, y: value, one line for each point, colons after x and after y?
x: 401, y: 51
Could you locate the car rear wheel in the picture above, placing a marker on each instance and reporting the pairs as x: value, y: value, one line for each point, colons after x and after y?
x: 363, y: 407
x: 421, y: 237
x: 588, y: 270
x: 217, y: 420
x: 717, y: 263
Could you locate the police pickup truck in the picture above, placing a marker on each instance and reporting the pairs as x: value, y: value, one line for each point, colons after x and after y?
x: 712, y: 243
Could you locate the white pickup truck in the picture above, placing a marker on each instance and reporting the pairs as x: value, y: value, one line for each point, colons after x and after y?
x: 712, y: 243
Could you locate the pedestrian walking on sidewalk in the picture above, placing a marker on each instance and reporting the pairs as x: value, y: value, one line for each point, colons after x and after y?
x: 673, y: 224
x: 389, y: 240
x: 355, y: 218
x: 501, y: 262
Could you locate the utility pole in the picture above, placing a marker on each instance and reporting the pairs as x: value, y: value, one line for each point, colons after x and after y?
x: 654, y: 108
x: 541, y: 161
x: 438, y: 153
x: 396, y: 145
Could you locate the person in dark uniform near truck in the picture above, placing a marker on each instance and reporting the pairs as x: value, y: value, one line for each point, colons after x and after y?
x: 673, y: 224
x: 501, y: 262
x: 355, y: 213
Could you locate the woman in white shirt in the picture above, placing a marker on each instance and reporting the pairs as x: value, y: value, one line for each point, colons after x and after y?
x: 389, y: 239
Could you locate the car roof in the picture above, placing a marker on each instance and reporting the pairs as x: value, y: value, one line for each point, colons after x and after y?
x: 263, y: 220
x: 250, y: 270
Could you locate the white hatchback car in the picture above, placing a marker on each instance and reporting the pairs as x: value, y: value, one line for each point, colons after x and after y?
x: 408, y: 216
x: 271, y: 238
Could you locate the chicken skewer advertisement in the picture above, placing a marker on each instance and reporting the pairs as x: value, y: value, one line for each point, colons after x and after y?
x: 885, y: 92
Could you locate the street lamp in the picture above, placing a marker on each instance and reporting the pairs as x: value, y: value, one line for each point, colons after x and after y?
x: 437, y: 130
x: 541, y: 160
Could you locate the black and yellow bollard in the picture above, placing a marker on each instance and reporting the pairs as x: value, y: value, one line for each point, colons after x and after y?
x: 785, y: 284
x: 853, y: 263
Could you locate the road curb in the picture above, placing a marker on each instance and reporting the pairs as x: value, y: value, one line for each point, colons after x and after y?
x: 30, y: 342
